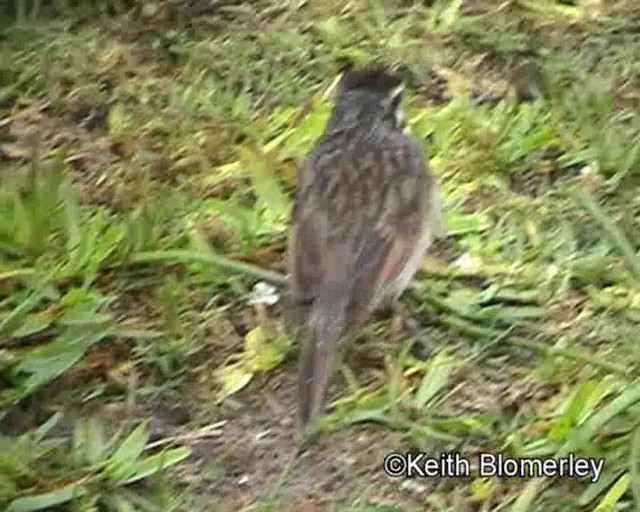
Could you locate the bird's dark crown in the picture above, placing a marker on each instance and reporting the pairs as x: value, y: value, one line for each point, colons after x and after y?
x: 377, y: 80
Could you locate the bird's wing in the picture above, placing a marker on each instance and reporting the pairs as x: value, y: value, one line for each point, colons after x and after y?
x: 308, y: 254
x: 385, y: 254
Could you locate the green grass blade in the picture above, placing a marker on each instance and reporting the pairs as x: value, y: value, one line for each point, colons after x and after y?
x: 155, y: 463
x: 614, y: 494
x: 185, y: 256
x: 613, y: 233
x: 129, y: 450
x: 46, y: 500
x: 434, y: 380
x: 592, y: 426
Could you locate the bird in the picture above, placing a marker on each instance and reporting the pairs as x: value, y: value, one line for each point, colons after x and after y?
x: 366, y: 209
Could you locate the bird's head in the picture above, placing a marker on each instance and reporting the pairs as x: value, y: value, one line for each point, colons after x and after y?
x: 371, y: 93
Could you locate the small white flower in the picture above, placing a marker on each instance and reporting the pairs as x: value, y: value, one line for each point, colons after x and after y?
x: 468, y: 262
x: 590, y: 169
x: 265, y: 294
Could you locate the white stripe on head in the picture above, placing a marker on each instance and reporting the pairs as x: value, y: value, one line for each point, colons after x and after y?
x: 400, y: 118
x: 396, y: 91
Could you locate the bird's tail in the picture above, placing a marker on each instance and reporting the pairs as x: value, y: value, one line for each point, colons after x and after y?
x: 318, y: 351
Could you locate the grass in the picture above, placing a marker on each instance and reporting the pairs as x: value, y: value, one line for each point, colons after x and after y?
x: 146, y: 172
